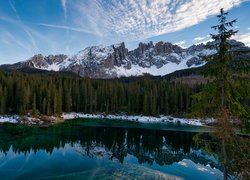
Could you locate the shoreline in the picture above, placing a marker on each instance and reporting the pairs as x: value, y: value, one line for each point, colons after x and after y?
x: 141, y: 118
x: 48, y: 120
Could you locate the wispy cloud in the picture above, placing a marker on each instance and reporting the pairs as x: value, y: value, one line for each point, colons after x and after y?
x: 65, y: 27
x: 136, y: 19
x: 63, y: 3
x: 14, y: 9
x: 22, y: 42
x: 9, y: 20
x: 245, y: 38
x: 13, y: 39
x: 89, y: 22
x: 23, y: 26
x: 92, y: 16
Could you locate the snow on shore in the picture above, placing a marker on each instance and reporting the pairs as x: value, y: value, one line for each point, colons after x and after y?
x: 10, y: 119
x: 143, y: 119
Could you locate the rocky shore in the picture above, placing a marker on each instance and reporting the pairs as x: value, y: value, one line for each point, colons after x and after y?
x: 45, y: 121
x: 42, y: 120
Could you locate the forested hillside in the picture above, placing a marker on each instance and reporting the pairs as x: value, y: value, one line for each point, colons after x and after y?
x: 56, y: 93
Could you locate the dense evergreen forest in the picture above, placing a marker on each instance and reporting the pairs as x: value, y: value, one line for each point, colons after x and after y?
x: 51, y: 94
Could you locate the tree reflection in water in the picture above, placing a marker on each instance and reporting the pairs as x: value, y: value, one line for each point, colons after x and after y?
x: 114, y: 143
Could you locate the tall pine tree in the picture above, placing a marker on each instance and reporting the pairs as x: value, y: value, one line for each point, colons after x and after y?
x: 221, y: 98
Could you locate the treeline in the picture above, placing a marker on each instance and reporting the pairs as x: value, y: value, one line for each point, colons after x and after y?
x: 53, y: 94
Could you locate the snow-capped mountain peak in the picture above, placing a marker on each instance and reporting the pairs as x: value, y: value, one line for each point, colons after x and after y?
x: 115, y: 60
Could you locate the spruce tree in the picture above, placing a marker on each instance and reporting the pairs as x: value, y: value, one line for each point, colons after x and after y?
x: 221, y: 98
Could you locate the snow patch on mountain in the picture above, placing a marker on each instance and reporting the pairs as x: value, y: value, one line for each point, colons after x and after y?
x: 137, y: 70
x: 96, y: 53
x: 116, y: 61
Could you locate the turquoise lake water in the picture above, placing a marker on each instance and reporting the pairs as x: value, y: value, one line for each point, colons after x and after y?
x: 104, y: 149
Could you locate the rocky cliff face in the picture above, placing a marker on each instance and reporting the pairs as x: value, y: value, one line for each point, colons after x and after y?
x: 47, y: 62
x: 147, y: 55
x: 98, y: 61
x: 162, y: 53
x: 114, y: 61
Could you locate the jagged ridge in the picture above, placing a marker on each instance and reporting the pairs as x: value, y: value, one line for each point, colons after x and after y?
x: 116, y: 61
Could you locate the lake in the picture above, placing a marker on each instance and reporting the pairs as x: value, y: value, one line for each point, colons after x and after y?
x: 104, y: 149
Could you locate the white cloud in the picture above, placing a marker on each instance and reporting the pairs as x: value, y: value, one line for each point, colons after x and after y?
x: 199, y: 39
x: 181, y: 43
x: 139, y: 19
x: 248, y: 28
x: 203, y: 39
x: 63, y: 3
x: 245, y: 38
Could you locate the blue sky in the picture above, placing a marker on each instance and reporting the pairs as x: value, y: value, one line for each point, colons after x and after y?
x: 29, y: 27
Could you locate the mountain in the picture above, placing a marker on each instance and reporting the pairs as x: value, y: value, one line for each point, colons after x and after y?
x: 116, y: 61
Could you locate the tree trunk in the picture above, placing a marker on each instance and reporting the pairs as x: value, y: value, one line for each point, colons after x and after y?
x: 224, y: 159
x: 222, y: 98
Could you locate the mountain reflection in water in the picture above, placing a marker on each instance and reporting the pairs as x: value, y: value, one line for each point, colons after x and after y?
x: 100, y: 142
